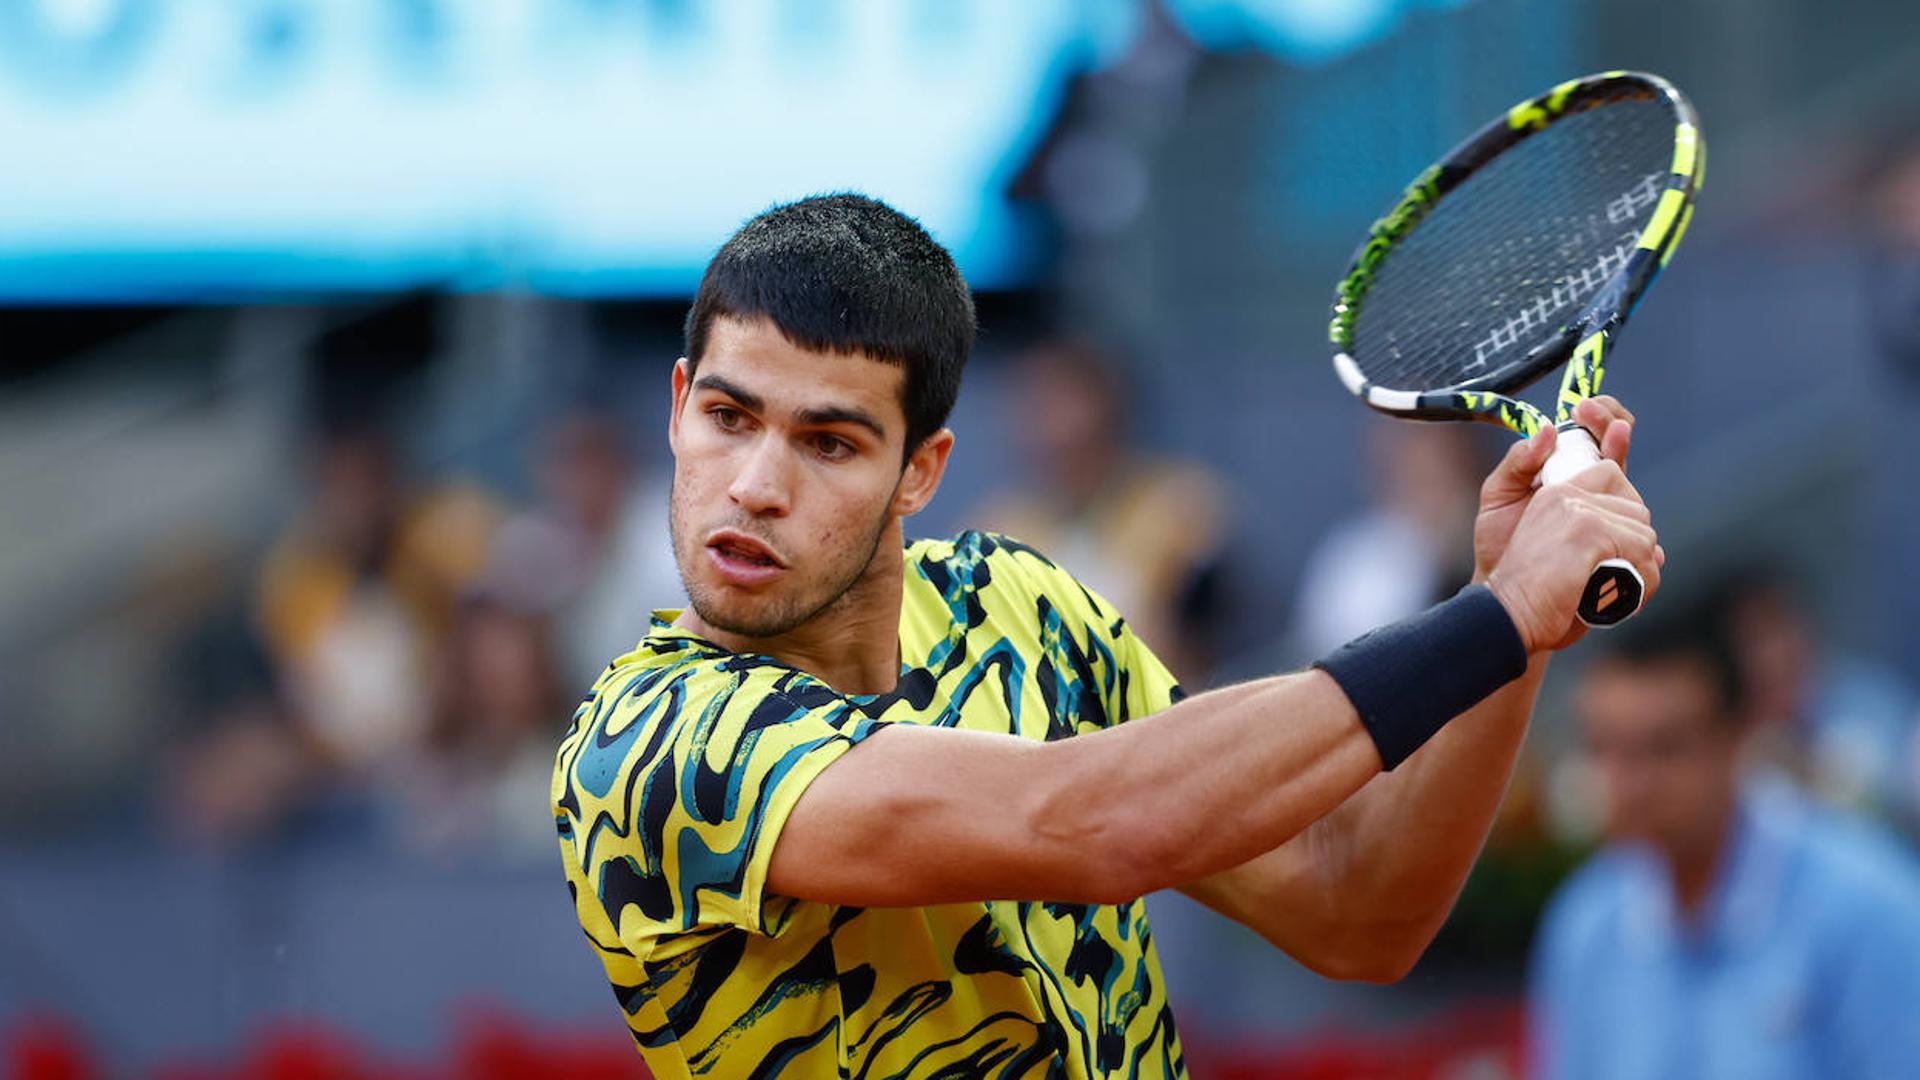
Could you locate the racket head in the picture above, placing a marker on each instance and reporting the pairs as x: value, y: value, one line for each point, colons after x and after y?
x: 1527, y: 245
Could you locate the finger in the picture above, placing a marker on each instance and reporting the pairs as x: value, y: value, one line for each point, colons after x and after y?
x: 1619, y: 505
x: 1613, y: 407
x: 1616, y: 442
x: 1604, y: 476
x: 1633, y: 541
x: 1625, y: 537
x: 1514, y: 477
x: 1599, y: 524
x: 1601, y: 416
x: 1650, y: 573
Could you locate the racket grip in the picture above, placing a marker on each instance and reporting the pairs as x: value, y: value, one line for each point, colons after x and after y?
x: 1614, y: 589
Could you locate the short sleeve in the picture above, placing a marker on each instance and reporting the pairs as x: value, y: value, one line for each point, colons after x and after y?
x: 676, y: 796
x: 1142, y: 685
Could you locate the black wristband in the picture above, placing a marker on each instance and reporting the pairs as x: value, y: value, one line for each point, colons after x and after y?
x: 1407, y: 679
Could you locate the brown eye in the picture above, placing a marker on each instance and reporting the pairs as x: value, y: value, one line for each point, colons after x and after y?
x: 832, y: 447
x: 725, y: 417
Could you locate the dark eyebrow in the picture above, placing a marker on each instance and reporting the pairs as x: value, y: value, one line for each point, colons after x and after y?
x: 842, y: 415
x: 740, y: 394
x: 821, y: 417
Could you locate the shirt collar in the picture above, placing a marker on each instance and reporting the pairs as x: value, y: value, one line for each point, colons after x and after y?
x: 1745, y: 901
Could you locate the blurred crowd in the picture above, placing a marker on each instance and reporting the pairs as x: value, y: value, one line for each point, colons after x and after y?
x: 406, y: 654
x: 401, y: 661
x: 1705, y: 864
x: 1717, y: 789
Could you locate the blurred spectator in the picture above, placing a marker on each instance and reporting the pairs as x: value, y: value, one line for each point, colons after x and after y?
x: 1893, y: 278
x: 1843, y: 726
x: 1145, y: 532
x: 354, y: 597
x: 240, y: 768
x: 478, y: 781
x: 595, y: 552
x: 1730, y: 928
x: 1410, y: 548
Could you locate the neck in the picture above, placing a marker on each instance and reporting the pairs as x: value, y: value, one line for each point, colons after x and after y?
x: 1696, y: 863
x: 853, y: 645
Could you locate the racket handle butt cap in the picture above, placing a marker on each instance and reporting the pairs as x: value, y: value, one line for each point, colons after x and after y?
x: 1614, y: 589
x: 1613, y: 594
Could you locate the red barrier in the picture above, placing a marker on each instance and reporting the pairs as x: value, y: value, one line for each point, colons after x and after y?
x: 492, y: 1043
x: 1481, y: 1040
x: 46, y: 1048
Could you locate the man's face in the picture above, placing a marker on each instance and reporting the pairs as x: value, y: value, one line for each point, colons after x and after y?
x: 787, y: 472
x: 1667, y: 758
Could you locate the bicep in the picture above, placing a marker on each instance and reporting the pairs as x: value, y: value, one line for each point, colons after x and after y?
x: 920, y: 815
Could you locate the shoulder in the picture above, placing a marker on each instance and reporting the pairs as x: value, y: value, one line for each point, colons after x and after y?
x: 1867, y: 882
x: 974, y: 548
x: 1584, y: 913
x: 675, y: 686
x: 672, y: 666
x: 989, y: 579
x: 996, y: 566
x: 1857, y: 891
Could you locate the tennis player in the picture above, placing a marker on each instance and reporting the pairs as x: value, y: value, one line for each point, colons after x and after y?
x: 875, y: 809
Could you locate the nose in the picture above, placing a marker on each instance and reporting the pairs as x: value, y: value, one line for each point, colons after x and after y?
x: 760, y: 487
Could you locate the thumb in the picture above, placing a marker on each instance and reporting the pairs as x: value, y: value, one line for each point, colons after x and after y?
x: 1514, y: 477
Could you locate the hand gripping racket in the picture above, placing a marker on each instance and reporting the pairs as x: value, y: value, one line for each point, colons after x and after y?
x: 1526, y: 246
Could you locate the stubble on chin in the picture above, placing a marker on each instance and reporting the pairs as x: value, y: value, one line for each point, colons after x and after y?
x: 777, y: 614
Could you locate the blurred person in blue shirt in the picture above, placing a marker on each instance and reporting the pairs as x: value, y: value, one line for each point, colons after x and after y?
x: 1842, y: 725
x: 1730, y: 927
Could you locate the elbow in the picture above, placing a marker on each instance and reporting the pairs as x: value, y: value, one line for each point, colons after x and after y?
x: 1382, y: 971
x: 1377, y: 955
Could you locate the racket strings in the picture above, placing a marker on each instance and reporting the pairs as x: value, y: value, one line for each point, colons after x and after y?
x: 1511, y: 255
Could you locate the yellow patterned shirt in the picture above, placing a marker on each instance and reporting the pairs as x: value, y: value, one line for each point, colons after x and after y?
x: 680, y: 769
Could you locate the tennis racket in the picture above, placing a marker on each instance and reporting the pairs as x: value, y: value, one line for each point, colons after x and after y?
x: 1526, y: 247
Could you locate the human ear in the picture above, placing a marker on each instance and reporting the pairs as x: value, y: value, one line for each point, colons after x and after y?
x: 682, y: 386
x: 921, y: 478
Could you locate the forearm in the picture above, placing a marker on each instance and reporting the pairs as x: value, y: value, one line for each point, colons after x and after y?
x: 1212, y: 781
x: 1398, y: 852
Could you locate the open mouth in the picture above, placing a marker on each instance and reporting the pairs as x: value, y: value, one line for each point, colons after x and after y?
x: 739, y: 548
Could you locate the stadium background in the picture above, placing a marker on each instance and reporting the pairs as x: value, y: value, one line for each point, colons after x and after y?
x: 233, y: 236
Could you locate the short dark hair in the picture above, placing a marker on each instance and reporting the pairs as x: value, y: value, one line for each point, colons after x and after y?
x: 1687, y: 631
x: 847, y: 274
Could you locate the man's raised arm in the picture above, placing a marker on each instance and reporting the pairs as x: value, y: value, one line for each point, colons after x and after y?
x: 917, y: 816
x: 1362, y: 891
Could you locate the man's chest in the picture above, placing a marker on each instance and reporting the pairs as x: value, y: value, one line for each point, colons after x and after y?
x: 1033, y: 678
x: 1751, y: 1015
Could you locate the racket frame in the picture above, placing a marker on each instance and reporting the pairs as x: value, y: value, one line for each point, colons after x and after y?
x: 1581, y: 343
